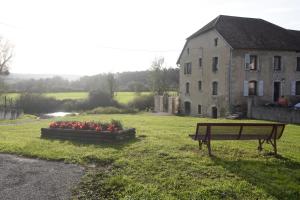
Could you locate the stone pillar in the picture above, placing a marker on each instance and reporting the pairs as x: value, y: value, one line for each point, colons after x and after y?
x: 171, y: 105
x: 156, y: 103
x: 161, y: 104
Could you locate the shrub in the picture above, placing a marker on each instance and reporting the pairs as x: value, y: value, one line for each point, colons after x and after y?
x: 33, y: 103
x: 111, y: 110
x: 99, y: 98
x: 144, y: 102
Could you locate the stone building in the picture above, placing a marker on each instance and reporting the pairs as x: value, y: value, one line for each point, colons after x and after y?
x: 233, y: 59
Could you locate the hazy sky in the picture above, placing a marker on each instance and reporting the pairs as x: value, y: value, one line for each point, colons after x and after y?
x: 89, y: 37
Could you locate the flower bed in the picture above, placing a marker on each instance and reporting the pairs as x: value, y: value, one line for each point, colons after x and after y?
x: 93, y: 132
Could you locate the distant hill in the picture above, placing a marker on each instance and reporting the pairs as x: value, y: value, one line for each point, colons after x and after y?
x: 16, y: 77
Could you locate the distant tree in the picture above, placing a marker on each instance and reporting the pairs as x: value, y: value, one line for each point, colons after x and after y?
x: 136, y: 87
x: 158, y: 76
x: 112, y: 84
x: 6, y: 54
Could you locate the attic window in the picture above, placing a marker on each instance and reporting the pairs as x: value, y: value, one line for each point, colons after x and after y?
x: 216, y: 41
x: 188, y: 51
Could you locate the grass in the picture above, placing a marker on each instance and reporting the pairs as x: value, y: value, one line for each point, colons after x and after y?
x: 125, y: 97
x: 164, y: 163
x: 121, y: 97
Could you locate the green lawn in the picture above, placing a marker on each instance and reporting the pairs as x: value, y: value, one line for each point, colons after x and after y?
x: 121, y: 97
x: 164, y: 163
x: 125, y: 97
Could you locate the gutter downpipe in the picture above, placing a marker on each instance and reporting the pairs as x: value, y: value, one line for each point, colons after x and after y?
x: 229, y: 81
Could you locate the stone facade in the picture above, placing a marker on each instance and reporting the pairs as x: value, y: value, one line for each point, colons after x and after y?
x: 236, y: 81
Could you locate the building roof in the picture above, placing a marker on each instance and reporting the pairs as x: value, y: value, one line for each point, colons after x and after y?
x: 252, y: 33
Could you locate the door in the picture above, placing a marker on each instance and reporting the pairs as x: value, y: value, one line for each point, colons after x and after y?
x: 214, y: 112
x: 276, y: 92
x: 187, y: 108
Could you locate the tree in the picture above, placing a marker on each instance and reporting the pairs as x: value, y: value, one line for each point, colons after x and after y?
x: 111, y: 83
x: 6, y: 54
x: 158, y: 76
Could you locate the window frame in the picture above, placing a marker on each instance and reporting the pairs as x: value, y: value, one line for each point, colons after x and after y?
x: 200, y: 85
x: 255, y: 68
x: 187, y: 88
x: 298, y: 64
x: 187, y: 68
x: 252, y: 91
x: 216, y: 42
x: 297, y: 94
x: 280, y: 63
x: 215, y: 88
x: 215, y: 64
x: 199, y: 109
x: 200, y: 62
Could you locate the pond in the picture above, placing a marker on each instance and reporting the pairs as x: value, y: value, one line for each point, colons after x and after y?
x: 58, y: 114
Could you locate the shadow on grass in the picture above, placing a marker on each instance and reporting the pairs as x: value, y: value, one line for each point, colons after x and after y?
x: 279, y: 177
x: 105, y: 144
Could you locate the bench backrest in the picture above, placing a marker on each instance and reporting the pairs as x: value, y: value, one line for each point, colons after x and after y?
x: 239, y: 131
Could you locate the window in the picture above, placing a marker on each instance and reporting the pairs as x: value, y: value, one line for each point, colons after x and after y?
x: 215, y: 64
x: 200, y: 62
x: 188, y: 51
x: 298, y: 64
x: 199, y: 85
x: 252, y: 87
x: 277, y: 63
x: 297, y: 87
x: 187, y: 88
x: 253, y: 62
x: 188, y: 68
x: 216, y: 42
x: 215, y: 88
x: 199, y: 109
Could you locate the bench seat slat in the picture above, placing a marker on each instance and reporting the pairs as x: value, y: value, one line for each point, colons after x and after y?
x: 232, y: 137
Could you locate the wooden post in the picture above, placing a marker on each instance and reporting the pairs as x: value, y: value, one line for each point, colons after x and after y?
x: 200, y: 144
x: 208, y: 140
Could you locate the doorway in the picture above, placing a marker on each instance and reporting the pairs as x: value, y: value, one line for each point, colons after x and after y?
x: 187, y: 108
x: 214, y: 112
x: 276, y: 92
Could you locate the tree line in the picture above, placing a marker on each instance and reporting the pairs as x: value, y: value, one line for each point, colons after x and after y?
x: 155, y: 79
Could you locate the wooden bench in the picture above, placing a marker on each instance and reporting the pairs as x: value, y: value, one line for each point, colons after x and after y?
x: 263, y: 132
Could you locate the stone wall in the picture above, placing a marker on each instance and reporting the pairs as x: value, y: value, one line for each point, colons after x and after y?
x: 279, y: 114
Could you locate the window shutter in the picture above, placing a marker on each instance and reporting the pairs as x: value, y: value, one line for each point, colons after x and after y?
x: 247, y: 61
x: 261, y: 88
x: 282, y: 64
x: 246, y: 88
x: 293, y: 88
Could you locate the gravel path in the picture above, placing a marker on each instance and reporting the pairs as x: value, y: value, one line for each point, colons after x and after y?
x: 24, y: 178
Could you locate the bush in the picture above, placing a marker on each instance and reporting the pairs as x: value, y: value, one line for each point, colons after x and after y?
x: 144, y: 102
x: 99, y: 98
x: 111, y: 110
x: 37, y: 103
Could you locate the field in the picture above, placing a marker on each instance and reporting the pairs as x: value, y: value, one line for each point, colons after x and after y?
x: 121, y: 97
x: 164, y: 163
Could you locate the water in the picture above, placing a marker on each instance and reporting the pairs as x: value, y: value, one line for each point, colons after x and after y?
x: 59, y: 114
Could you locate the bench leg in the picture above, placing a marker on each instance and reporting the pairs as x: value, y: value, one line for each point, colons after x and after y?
x: 209, y: 147
x: 275, y: 147
x: 259, y: 145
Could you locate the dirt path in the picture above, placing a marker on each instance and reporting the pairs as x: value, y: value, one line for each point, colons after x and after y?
x: 24, y: 178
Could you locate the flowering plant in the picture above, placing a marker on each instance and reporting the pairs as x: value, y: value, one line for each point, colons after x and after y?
x: 113, y: 126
